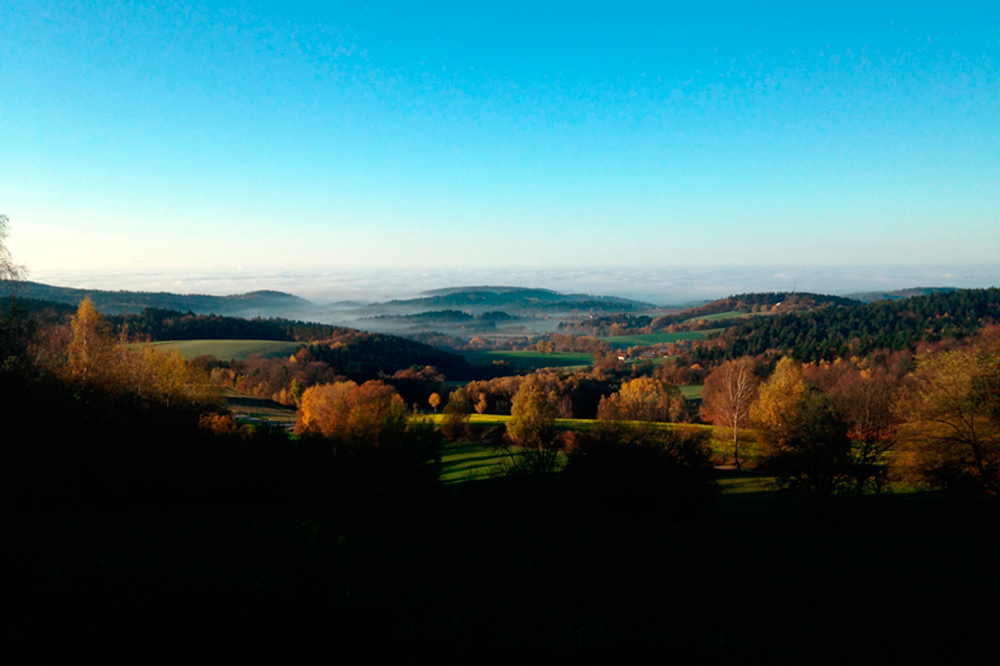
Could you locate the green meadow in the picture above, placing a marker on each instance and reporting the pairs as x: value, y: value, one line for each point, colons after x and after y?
x: 228, y: 350
x: 691, y: 391
x: 530, y: 359
x: 732, y: 314
x: 259, y: 409
x: 465, y: 461
x: 623, y: 341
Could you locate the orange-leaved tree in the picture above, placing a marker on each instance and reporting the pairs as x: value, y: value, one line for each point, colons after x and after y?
x: 350, y: 414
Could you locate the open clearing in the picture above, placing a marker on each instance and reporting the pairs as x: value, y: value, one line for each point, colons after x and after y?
x: 228, y: 350
x: 531, y: 359
x: 623, y: 341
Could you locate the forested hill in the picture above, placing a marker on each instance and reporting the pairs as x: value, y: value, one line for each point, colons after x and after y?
x: 117, y: 302
x: 511, y: 300
x: 160, y: 324
x: 850, y: 330
x: 738, y: 306
x: 353, y: 352
x: 772, y: 301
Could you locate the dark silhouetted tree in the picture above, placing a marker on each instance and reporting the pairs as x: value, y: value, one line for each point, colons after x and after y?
x: 813, y: 458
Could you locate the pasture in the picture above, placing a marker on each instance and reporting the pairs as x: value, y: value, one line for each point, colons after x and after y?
x: 625, y: 341
x: 464, y: 461
x: 228, y: 350
x: 531, y: 359
x: 718, y: 316
x: 247, y: 407
x: 691, y: 391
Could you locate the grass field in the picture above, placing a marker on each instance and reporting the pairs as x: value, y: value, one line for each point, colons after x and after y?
x: 732, y: 314
x: 257, y: 409
x: 623, y: 341
x: 469, y: 461
x: 691, y: 391
x: 464, y: 461
x: 531, y: 359
x: 228, y: 350
x: 474, y: 461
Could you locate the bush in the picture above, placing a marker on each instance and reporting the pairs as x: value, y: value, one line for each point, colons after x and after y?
x: 642, y: 469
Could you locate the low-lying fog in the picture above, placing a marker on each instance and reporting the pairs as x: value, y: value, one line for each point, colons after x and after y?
x: 662, y: 286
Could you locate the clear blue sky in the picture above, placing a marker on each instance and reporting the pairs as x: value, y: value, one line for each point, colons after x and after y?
x: 217, y: 136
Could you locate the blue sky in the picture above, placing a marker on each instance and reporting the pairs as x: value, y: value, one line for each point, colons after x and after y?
x: 182, y: 137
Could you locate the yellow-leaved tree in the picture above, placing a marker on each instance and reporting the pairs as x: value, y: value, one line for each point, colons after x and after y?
x: 951, y: 418
x: 777, y: 400
x: 531, y: 428
x: 643, y: 399
x: 96, y: 357
x: 91, y: 354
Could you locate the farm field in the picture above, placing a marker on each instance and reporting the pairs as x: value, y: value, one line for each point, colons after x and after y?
x: 228, y: 350
x: 623, y: 341
x: 247, y: 407
x: 531, y: 359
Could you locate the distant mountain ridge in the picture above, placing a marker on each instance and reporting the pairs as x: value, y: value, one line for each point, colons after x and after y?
x: 133, y: 302
x: 895, y: 295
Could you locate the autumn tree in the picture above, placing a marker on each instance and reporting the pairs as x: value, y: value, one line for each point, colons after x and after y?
x: 643, y: 399
x: 91, y: 352
x: 16, y: 329
x: 434, y: 400
x: 776, y: 403
x: 865, y: 399
x: 728, y: 394
x: 814, y: 458
x: 951, y: 418
x: 349, y: 414
x: 455, y: 425
x: 532, y: 416
x: 9, y: 271
x: 532, y: 427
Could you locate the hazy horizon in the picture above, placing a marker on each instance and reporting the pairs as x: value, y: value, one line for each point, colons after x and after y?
x: 661, y: 286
